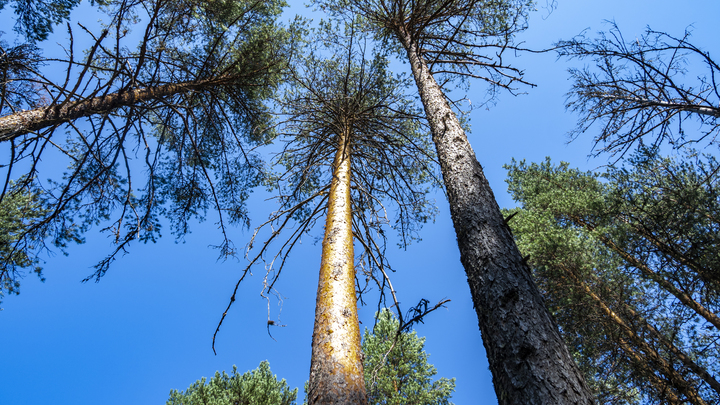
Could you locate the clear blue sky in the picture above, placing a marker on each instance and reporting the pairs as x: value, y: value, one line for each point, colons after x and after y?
x: 147, y: 326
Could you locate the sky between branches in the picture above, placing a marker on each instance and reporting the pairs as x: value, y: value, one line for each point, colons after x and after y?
x: 147, y: 326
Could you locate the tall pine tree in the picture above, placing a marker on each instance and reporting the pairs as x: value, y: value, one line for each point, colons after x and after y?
x: 397, y: 371
x: 353, y: 147
x: 461, y: 40
x: 155, y: 125
x: 257, y: 387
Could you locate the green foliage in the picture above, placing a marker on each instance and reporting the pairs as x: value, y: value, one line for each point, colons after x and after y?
x: 351, y: 94
x: 257, y: 387
x: 17, y: 209
x: 452, y: 36
x: 35, y: 18
x: 170, y: 157
x: 670, y: 208
x: 390, y: 146
x: 396, y: 367
x: 631, y: 241
x: 396, y: 372
x: 16, y: 66
x: 206, y: 163
x: 549, y: 195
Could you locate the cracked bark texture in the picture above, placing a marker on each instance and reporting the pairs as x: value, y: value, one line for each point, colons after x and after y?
x: 528, y: 358
x: 336, y: 370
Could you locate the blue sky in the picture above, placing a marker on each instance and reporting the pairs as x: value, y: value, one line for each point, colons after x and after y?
x: 147, y: 326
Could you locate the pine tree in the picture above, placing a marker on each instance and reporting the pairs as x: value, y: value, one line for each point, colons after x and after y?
x: 628, y: 268
x: 18, y: 208
x: 397, y: 371
x: 36, y: 18
x: 157, y: 128
x: 458, y: 40
x: 257, y: 387
x: 643, y: 90
x: 352, y: 146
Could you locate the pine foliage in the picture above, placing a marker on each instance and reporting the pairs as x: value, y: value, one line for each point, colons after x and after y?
x: 627, y: 261
x: 17, y: 208
x: 257, y: 387
x: 397, y: 369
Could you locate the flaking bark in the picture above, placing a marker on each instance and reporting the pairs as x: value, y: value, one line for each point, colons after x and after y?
x: 336, y: 371
x: 528, y: 358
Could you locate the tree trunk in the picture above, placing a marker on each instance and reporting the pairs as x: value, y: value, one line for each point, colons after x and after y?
x: 336, y: 370
x: 23, y: 122
x: 676, y: 379
x: 528, y: 358
x: 652, y: 275
x: 660, y: 384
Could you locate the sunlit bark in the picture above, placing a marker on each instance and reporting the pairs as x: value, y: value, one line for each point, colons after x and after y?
x: 23, y: 122
x: 336, y: 371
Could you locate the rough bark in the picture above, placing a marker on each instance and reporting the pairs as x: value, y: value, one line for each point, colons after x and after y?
x: 23, y: 122
x: 336, y: 370
x: 528, y: 358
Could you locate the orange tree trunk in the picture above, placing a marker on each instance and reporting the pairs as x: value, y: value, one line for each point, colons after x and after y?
x: 336, y: 372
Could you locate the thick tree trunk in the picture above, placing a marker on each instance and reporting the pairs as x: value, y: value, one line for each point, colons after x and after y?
x: 336, y: 370
x: 23, y: 122
x: 528, y: 358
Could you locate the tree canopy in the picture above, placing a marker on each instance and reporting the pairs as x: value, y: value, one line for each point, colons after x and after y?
x: 165, y: 130
x: 36, y: 18
x: 442, y: 41
x: 643, y: 91
x: 459, y: 39
x: 256, y: 387
x: 397, y: 371
x: 159, y: 128
x: 18, y: 208
x: 353, y: 146
x: 628, y: 268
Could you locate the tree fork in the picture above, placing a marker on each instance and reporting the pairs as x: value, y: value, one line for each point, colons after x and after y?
x: 336, y: 370
x: 528, y: 358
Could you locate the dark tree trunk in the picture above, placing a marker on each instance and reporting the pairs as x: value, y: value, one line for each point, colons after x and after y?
x: 336, y: 369
x: 528, y: 358
x: 23, y: 122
